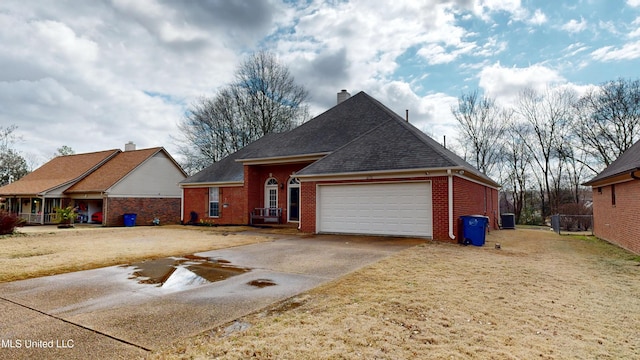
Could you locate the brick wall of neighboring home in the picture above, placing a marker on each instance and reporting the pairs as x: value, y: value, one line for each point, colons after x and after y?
x: 618, y: 223
x: 146, y: 209
x: 469, y: 199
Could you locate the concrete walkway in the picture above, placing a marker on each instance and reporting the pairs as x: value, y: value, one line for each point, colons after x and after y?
x: 104, y: 313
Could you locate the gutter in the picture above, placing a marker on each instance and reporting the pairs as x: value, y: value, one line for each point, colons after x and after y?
x: 450, y: 197
x: 633, y: 174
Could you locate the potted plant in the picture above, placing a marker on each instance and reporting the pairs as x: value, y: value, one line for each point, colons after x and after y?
x: 66, y: 216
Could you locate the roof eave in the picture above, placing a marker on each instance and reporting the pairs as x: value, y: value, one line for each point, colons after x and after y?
x: 211, y: 184
x: 283, y: 159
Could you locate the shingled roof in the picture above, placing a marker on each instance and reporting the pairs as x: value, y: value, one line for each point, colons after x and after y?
x: 228, y: 169
x: 327, y: 131
x: 113, y: 171
x: 60, y: 171
x: 627, y: 162
x: 358, y: 135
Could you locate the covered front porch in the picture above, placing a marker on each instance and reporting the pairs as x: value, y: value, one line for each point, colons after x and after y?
x: 36, y: 210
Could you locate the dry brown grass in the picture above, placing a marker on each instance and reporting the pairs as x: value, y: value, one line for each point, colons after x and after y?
x: 540, y: 296
x: 47, y: 253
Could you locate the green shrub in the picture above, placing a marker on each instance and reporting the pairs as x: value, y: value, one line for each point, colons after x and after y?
x: 9, y: 222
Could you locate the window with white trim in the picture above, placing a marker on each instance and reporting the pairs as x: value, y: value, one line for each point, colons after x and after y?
x: 214, y: 202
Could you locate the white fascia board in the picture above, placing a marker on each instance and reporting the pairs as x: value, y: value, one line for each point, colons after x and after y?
x: 212, y: 184
x: 283, y: 159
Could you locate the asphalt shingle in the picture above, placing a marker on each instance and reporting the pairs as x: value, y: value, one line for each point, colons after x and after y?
x: 628, y: 161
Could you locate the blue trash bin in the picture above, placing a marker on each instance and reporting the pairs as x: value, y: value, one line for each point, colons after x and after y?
x: 474, y: 229
x: 129, y: 220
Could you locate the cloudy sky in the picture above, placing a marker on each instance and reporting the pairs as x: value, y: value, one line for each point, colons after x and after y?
x: 94, y: 75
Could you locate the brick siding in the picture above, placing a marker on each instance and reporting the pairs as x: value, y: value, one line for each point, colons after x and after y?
x: 618, y: 223
x: 469, y: 199
x: 146, y: 209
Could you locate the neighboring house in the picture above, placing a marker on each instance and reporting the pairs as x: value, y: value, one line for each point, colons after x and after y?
x: 616, y: 200
x: 102, y: 186
x: 358, y: 168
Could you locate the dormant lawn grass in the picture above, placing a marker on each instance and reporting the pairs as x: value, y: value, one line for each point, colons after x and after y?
x: 37, y: 254
x: 541, y: 296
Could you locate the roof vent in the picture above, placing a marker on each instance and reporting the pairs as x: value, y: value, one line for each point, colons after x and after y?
x: 130, y: 146
x: 343, y: 95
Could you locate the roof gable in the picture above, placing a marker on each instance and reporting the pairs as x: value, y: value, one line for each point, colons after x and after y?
x: 113, y: 171
x: 58, y: 172
x: 327, y: 131
x: 628, y: 161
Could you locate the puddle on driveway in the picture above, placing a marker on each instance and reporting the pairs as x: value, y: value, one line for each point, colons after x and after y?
x: 184, y: 272
x: 261, y: 283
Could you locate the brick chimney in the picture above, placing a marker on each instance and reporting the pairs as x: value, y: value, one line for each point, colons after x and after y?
x: 343, y: 95
x: 130, y: 146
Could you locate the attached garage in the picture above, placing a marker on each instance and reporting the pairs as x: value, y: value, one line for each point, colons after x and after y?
x: 379, y: 209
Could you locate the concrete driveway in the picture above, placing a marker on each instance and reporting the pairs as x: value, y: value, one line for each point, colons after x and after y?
x: 107, y: 313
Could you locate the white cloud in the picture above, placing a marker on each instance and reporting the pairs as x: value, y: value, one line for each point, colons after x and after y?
x: 575, y: 26
x: 538, y: 18
x: 505, y: 83
x: 628, y: 51
x: 633, y: 3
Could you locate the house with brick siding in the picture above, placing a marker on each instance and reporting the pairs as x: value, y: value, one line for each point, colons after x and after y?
x: 616, y: 200
x: 358, y: 168
x: 102, y: 186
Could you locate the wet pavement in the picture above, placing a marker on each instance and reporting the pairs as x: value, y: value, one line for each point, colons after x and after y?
x: 126, y: 311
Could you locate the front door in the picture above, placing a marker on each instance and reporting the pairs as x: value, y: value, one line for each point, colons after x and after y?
x: 294, y: 200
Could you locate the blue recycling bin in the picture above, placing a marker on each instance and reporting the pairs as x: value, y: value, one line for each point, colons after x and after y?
x: 129, y: 220
x: 474, y: 229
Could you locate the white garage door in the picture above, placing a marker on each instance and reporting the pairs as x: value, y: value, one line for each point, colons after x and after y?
x: 381, y: 209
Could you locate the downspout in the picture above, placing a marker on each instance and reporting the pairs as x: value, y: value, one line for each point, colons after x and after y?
x: 450, y: 193
x: 182, y: 206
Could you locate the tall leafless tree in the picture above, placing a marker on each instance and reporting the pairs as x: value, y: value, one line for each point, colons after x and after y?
x: 263, y: 98
x: 547, y: 116
x: 608, y: 121
x: 516, y: 163
x: 482, y: 124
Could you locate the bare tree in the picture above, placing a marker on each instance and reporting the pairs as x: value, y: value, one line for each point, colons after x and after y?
x: 547, y: 117
x: 482, y: 124
x: 264, y: 98
x: 608, y: 121
x: 517, y: 162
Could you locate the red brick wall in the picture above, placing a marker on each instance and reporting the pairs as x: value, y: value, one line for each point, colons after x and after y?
x: 308, y: 207
x: 618, y: 223
x: 146, y: 209
x: 195, y: 199
x: 260, y: 174
x: 241, y: 200
x: 232, y: 205
x: 440, y: 198
x: 474, y: 199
